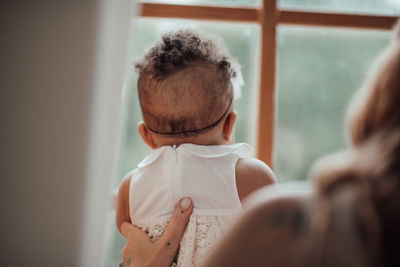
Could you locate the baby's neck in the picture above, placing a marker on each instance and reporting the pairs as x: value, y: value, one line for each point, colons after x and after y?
x: 205, y: 139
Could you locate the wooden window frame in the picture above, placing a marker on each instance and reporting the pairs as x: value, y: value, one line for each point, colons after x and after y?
x: 269, y: 16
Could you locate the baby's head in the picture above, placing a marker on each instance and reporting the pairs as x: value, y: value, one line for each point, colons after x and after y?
x: 185, y: 91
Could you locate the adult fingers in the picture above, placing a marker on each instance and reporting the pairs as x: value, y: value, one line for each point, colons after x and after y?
x: 180, y: 218
x: 173, y: 234
x: 143, y: 252
x: 128, y: 229
x: 138, y: 244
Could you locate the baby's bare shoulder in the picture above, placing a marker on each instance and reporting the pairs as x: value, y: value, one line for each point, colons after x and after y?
x: 252, y: 174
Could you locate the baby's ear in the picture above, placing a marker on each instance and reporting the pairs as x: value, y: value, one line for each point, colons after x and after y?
x: 146, y: 135
x: 229, y: 124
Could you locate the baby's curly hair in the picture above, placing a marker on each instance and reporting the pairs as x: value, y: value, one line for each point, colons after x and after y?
x: 184, y: 82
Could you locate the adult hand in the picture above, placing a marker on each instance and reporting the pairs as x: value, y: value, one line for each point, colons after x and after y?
x: 141, y: 251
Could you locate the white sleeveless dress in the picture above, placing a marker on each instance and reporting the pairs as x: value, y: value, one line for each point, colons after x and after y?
x: 206, y: 174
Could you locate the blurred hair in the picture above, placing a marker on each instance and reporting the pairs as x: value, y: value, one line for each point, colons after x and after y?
x: 356, y: 217
x: 376, y: 106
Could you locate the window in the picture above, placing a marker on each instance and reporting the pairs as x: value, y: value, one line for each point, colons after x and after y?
x: 318, y: 71
x: 301, y: 60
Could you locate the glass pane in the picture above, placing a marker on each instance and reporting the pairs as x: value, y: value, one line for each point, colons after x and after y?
x: 248, y: 3
x: 383, y: 7
x: 318, y: 71
x: 242, y: 41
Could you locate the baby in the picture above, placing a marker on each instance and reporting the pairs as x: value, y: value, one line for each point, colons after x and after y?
x: 186, y: 92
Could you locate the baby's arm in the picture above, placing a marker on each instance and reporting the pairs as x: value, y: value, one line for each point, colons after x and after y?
x: 123, y: 203
x: 252, y: 174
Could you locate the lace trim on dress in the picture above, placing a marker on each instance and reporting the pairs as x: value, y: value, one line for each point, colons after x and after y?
x: 201, y: 234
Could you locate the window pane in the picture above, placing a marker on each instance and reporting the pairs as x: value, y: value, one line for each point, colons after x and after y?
x: 248, y: 3
x: 383, y: 7
x: 318, y: 71
x: 242, y: 41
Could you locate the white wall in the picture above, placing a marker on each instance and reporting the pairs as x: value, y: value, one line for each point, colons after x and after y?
x: 62, y: 65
